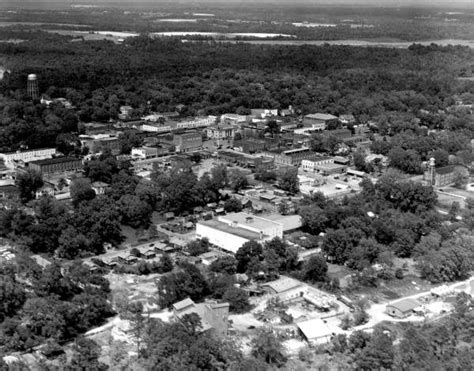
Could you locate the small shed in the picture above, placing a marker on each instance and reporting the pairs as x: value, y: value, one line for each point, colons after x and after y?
x: 402, y: 308
x: 169, y: 216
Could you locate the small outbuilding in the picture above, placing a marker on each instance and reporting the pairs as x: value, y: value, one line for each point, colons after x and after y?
x: 402, y: 308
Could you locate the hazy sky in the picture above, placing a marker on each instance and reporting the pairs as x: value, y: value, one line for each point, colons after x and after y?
x: 287, y: 2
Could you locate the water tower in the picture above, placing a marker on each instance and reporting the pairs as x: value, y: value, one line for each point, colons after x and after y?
x: 32, y: 87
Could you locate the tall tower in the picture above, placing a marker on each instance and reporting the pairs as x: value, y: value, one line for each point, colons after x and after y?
x: 431, y: 167
x: 32, y: 87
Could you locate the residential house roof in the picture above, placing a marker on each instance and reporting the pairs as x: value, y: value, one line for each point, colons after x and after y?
x: 405, y: 305
x: 317, y: 328
x: 282, y: 284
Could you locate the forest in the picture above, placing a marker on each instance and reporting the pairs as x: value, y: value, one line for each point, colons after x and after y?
x: 397, y: 88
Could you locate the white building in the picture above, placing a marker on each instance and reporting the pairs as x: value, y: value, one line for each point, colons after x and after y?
x: 318, y: 330
x: 155, y: 128
x: 198, y: 122
x: 10, y: 158
x: 231, y: 231
x: 221, y: 131
x: 311, y: 165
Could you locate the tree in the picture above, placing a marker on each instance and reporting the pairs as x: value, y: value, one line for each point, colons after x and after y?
x: 86, y: 354
x: 288, y: 180
x: 237, y: 180
x: 415, y: 349
x: 314, y: 219
x: 224, y: 264
x: 127, y: 141
x: 315, y: 269
x: 28, y: 183
x: 364, y: 254
x: 441, y: 157
x: 268, y: 347
x: 198, y: 247
x: 237, y: 298
x: 134, y: 314
x: 233, y: 205
x: 135, y: 212
x: 246, y: 253
x: 460, y: 178
x: 338, y: 244
x: 166, y: 264
x: 81, y: 190
x: 378, y: 353
x: 71, y: 244
x: 12, y: 293
x: 406, y: 160
x: 359, y: 160
x: 174, y: 287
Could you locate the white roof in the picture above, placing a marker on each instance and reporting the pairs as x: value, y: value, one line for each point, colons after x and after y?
x: 290, y: 222
x: 316, y: 328
x: 282, y: 284
x: 244, y: 219
x: 321, y: 116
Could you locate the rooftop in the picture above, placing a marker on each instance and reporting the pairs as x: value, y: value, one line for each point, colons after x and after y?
x: 282, y: 284
x: 183, y: 304
x: 245, y: 219
x: 57, y: 160
x: 226, y: 227
x: 405, y: 305
x: 317, y: 328
x: 290, y: 222
x: 321, y: 116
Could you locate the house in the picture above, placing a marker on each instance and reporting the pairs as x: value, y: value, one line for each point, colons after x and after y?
x: 9, y: 191
x: 319, y: 121
x: 214, y: 316
x: 169, y: 216
x: 48, y: 189
x: 402, y: 308
x: 263, y: 112
x: 318, y: 330
x: 208, y: 257
x: 285, y: 288
x: 99, y: 187
x: 347, y: 119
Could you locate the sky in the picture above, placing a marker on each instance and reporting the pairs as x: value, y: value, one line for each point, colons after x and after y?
x: 129, y: 3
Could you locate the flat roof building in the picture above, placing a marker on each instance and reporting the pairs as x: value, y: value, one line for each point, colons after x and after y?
x: 56, y: 165
x: 318, y: 331
x: 229, y: 232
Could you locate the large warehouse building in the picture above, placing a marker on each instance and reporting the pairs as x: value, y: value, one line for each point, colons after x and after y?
x: 231, y: 231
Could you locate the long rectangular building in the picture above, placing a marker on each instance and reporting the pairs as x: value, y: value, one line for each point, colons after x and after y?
x: 231, y: 231
x: 56, y: 165
x: 10, y: 158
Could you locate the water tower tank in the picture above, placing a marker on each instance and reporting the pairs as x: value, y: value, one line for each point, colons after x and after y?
x: 32, y: 87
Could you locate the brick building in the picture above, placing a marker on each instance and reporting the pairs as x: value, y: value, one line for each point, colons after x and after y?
x: 291, y: 157
x: 188, y: 142
x: 56, y: 165
x: 319, y: 121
